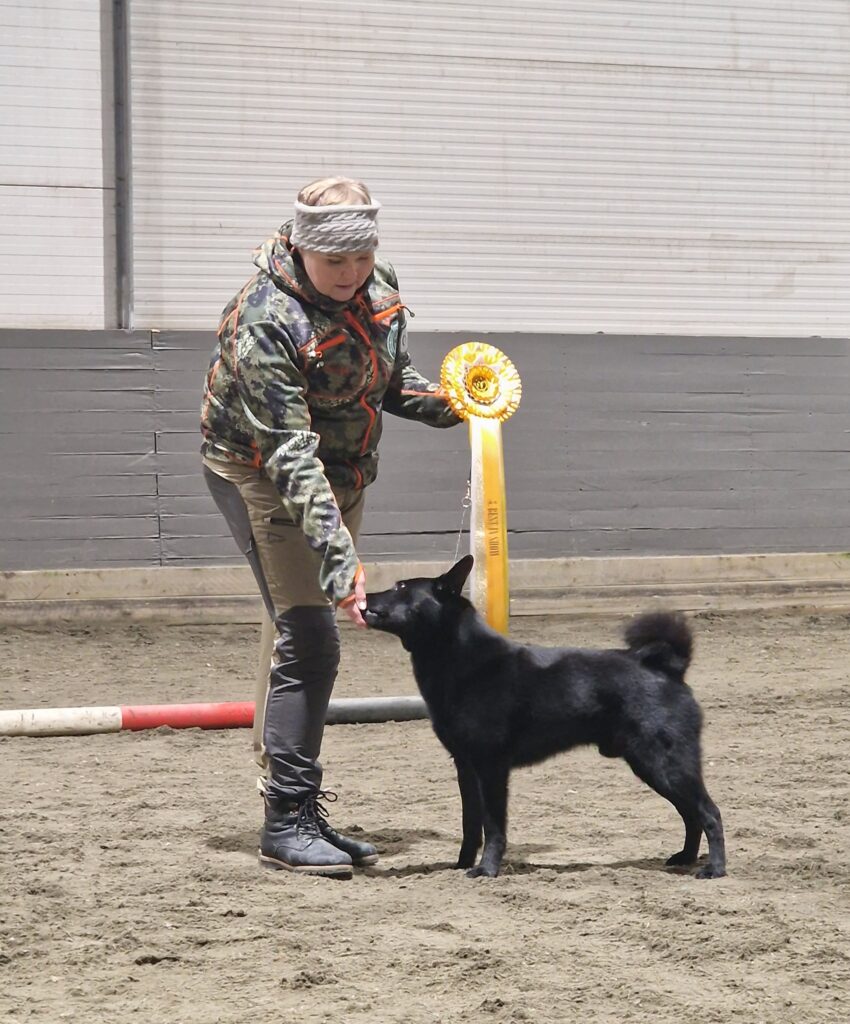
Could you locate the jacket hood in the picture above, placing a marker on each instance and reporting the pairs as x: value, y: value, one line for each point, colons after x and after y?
x: 277, y: 258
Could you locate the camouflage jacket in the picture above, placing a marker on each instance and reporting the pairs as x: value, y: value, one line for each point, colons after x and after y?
x: 297, y: 385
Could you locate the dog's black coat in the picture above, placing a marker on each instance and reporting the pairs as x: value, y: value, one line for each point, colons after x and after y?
x: 495, y: 704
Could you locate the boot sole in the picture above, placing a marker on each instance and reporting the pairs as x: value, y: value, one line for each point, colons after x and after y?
x: 336, y: 870
x: 365, y: 862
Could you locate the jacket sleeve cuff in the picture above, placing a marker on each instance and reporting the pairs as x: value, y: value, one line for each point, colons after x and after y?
x: 359, y: 574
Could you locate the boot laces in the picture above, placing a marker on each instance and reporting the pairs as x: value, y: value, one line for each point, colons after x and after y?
x: 312, y: 810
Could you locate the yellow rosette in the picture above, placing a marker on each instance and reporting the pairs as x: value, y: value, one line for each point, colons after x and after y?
x: 484, y: 389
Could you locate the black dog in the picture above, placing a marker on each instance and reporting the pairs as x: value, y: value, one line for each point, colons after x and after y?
x: 495, y: 704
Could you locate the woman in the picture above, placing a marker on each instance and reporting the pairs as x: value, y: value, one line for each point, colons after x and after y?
x: 311, y: 352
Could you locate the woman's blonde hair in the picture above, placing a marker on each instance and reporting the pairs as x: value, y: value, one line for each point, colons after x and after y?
x: 337, y: 191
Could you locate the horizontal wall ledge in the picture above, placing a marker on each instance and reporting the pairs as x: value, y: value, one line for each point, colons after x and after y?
x: 568, y: 586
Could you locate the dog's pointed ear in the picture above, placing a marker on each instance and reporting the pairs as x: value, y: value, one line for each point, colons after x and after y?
x: 452, y: 582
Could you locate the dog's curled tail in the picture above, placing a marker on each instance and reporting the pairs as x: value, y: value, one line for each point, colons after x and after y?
x: 662, y: 641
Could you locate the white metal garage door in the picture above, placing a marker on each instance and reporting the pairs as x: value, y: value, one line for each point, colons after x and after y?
x: 51, y: 165
x: 574, y: 166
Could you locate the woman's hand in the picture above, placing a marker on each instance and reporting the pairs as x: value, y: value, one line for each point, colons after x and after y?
x: 355, y: 604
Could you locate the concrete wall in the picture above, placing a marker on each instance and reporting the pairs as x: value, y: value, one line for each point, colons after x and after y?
x: 622, y: 445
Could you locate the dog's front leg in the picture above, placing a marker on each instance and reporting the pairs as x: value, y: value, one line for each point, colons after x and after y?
x: 493, y: 784
x: 470, y: 799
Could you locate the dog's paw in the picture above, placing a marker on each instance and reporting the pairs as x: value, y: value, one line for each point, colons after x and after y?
x: 481, y: 872
x: 709, y: 871
x: 680, y: 859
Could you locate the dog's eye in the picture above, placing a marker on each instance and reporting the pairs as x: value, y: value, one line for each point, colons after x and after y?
x: 401, y: 586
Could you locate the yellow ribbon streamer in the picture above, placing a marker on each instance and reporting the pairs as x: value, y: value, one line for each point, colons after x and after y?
x: 484, y: 388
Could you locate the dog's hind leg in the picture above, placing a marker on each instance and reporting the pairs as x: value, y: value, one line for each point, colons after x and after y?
x: 470, y: 799
x: 687, y: 794
x: 712, y: 825
x: 693, y: 835
x: 493, y: 784
x: 700, y: 814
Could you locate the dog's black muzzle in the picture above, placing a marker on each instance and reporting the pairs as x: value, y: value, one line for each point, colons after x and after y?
x: 372, y: 616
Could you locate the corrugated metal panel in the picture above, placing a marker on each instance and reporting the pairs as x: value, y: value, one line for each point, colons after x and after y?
x: 51, y: 164
x: 653, y: 445
x: 77, y: 432
x: 620, y: 165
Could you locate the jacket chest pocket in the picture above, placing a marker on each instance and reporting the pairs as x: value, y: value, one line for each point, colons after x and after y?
x: 337, y: 369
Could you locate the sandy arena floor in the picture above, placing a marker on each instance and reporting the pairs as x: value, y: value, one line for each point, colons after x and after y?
x: 130, y: 890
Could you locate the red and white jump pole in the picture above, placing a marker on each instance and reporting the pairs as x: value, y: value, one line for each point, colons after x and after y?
x: 227, y: 715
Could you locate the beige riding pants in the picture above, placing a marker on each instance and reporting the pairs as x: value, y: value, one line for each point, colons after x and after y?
x: 292, y: 695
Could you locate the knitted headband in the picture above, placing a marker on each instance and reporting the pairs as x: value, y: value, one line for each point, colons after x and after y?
x: 334, y: 229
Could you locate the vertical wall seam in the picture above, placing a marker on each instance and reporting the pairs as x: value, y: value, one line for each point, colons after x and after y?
x: 123, y: 163
x: 157, y: 467
x: 109, y: 283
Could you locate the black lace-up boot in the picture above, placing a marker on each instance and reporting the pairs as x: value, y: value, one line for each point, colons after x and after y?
x: 291, y: 840
x: 362, y: 854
